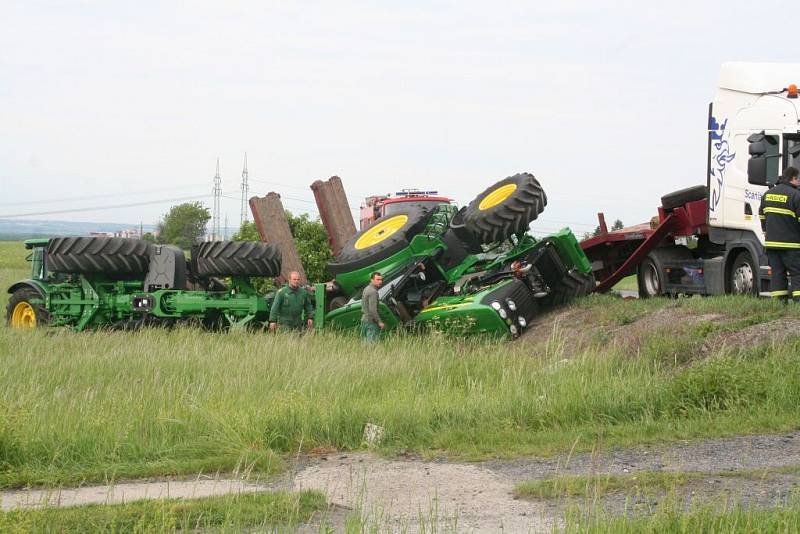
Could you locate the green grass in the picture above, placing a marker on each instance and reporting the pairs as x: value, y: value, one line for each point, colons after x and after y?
x: 111, y: 405
x: 628, y: 283
x: 232, y: 513
x: 671, y: 517
x: 645, y: 482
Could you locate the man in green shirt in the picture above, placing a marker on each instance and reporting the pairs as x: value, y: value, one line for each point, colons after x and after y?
x: 371, y: 324
x: 291, y: 301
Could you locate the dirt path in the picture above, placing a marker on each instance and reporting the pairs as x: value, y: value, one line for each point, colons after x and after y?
x: 473, y: 497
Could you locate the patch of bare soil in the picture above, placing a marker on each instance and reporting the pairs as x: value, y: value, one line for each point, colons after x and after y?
x: 575, y: 329
x: 414, y: 495
x: 775, y: 331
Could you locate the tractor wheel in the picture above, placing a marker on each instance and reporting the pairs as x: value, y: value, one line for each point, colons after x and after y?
x: 237, y: 258
x: 506, y: 208
x: 22, y: 313
x: 383, y: 238
x: 575, y: 284
x: 98, y: 255
x: 682, y: 196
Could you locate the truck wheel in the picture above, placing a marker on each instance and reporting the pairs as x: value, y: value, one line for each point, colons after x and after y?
x: 22, y: 313
x: 237, y: 258
x: 575, y: 284
x: 381, y: 239
x: 506, y: 208
x: 682, y: 196
x: 650, y: 278
x: 97, y: 255
x: 742, y: 279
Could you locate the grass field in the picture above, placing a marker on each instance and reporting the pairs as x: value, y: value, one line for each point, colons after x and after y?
x: 109, y: 405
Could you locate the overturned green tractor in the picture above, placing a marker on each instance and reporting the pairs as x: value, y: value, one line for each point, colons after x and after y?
x: 476, y: 270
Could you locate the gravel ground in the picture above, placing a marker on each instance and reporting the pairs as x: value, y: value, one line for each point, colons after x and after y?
x: 411, y: 494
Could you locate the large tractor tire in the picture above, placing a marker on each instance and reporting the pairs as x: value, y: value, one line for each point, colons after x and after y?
x: 574, y: 284
x: 683, y: 196
x: 383, y: 238
x: 98, y: 255
x: 506, y: 208
x: 21, y: 312
x: 237, y: 258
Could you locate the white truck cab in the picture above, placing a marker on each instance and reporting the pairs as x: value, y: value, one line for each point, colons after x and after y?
x: 756, y: 109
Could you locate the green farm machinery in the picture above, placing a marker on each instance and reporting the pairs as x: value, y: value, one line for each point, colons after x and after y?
x: 476, y: 270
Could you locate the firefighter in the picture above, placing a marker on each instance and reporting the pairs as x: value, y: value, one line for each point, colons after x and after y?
x: 780, y: 220
x: 291, y: 301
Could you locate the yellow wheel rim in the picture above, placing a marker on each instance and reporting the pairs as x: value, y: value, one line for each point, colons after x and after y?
x: 23, y: 316
x: 381, y: 231
x: 497, y: 196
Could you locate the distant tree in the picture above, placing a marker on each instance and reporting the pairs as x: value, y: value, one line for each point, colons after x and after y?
x: 149, y: 237
x: 310, y: 238
x: 617, y: 225
x: 247, y: 232
x: 184, y: 224
x: 312, y: 245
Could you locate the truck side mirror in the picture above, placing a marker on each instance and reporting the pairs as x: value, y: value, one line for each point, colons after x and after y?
x: 757, y: 148
x: 757, y: 170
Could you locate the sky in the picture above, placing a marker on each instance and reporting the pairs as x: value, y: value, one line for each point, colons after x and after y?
x: 118, y: 103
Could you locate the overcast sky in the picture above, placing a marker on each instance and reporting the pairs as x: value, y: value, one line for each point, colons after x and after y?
x: 607, y: 106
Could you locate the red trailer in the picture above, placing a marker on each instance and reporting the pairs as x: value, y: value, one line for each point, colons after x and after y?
x: 673, y: 253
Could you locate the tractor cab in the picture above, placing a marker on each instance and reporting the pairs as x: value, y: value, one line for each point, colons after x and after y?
x: 378, y: 206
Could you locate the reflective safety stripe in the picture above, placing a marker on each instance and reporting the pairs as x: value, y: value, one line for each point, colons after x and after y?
x: 780, y: 244
x: 762, y: 217
x: 781, y: 293
x: 781, y: 211
x: 796, y: 293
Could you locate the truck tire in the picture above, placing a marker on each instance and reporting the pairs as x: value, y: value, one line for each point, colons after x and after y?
x: 506, y: 208
x: 383, y: 238
x: 237, y: 258
x: 682, y: 196
x: 575, y: 284
x: 22, y: 313
x: 650, y: 278
x: 98, y: 255
x: 743, y: 275
x: 650, y: 273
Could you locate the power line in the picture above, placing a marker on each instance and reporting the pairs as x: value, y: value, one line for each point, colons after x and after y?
x: 90, y: 197
x: 105, y: 207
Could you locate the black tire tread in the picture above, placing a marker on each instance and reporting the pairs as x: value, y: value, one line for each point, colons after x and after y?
x: 513, y: 216
x: 574, y: 285
x: 682, y: 196
x: 98, y: 255
x: 238, y: 258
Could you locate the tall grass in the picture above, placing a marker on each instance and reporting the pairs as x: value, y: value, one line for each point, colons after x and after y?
x: 107, y: 405
x: 111, y: 404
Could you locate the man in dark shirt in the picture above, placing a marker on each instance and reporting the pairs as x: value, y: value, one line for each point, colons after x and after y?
x: 371, y: 324
x: 291, y: 302
x: 779, y: 213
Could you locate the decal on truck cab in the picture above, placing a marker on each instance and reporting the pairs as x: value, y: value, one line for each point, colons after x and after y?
x: 720, y: 157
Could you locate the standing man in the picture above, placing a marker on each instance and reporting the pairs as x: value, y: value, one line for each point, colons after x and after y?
x: 371, y: 324
x: 779, y: 213
x: 290, y: 302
